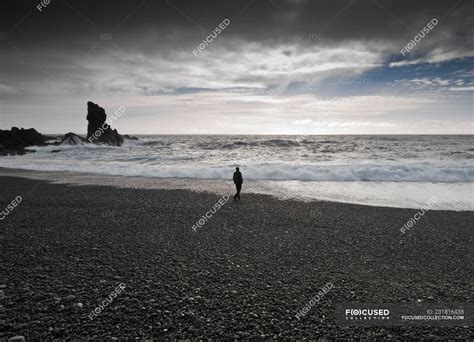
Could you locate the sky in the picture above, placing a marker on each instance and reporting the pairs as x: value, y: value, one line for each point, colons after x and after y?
x: 273, y: 67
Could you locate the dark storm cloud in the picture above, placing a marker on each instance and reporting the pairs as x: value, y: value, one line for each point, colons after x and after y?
x: 55, y: 40
x: 76, y: 25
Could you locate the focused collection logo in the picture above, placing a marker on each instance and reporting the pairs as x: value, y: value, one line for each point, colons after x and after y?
x: 403, y: 314
x: 367, y: 314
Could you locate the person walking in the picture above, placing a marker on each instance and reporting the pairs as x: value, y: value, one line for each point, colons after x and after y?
x: 238, y: 180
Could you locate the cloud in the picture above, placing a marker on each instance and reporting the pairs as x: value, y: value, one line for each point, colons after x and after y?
x: 8, y: 90
x: 471, y: 88
x: 435, y: 84
x: 436, y: 56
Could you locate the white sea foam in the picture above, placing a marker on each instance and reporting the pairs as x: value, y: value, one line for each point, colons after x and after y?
x: 416, y: 172
x: 339, y: 159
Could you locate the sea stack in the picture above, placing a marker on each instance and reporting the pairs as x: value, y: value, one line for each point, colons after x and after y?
x: 98, y: 130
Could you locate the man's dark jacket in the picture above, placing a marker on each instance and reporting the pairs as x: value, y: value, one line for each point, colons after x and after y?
x: 238, y: 177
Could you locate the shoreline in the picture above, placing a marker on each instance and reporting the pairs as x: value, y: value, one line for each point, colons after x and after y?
x: 360, y: 193
x: 246, y: 273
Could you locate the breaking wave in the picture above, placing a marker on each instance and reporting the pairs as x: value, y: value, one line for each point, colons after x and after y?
x: 146, y: 168
x: 330, y: 158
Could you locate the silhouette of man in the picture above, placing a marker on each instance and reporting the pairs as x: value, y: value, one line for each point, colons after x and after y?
x: 238, y: 180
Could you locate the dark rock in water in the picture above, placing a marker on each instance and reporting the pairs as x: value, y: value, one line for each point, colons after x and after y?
x: 17, y: 137
x: 98, y: 131
x: 126, y: 136
x: 14, y: 141
x: 72, y: 139
x: 54, y: 140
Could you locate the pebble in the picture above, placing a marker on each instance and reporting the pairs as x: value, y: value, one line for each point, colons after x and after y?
x: 17, y: 339
x: 69, y: 298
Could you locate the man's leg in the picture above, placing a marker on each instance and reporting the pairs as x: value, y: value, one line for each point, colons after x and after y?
x: 237, y: 193
x: 239, y: 187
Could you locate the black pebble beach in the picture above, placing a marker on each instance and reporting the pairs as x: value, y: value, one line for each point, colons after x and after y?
x: 244, y: 274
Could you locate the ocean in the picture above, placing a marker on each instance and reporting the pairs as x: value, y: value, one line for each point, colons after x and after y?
x: 396, y: 171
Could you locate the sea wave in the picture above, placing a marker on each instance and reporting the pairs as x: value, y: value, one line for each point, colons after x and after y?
x: 154, y: 143
x: 416, y: 172
x: 266, y: 143
x: 280, y: 158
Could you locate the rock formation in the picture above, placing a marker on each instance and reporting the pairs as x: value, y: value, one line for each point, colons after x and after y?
x: 98, y: 131
x: 16, y: 140
x: 73, y: 139
x: 126, y: 136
